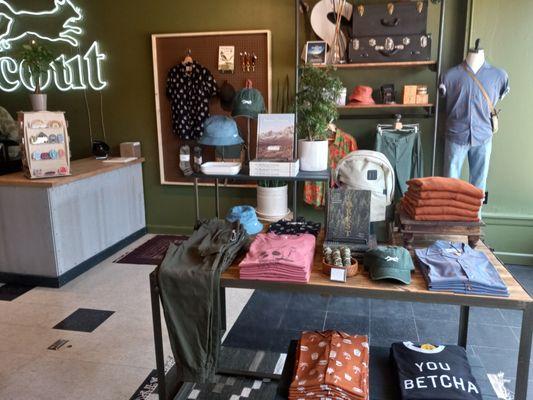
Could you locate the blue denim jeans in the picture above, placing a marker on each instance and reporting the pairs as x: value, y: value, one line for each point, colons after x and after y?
x: 478, y: 161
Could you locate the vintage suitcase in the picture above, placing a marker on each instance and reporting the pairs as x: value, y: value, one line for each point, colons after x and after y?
x: 393, y: 18
x: 390, y: 48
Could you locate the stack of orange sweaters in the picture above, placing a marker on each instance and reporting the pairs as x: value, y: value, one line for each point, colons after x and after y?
x: 442, y: 199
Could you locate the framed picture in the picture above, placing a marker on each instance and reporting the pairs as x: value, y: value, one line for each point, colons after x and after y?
x: 226, y: 59
x: 275, y: 137
x: 315, y: 52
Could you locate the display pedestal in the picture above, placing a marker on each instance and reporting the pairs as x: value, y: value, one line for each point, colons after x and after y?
x: 409, y: 228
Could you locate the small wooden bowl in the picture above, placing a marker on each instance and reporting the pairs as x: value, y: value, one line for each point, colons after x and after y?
x: 350, y: 271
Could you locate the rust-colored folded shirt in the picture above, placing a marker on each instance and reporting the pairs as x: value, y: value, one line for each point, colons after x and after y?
x: 417, y: 195
x: 331, y: 364
x: 417, y: 202
x: 441, y: 184
x: 444, y: 216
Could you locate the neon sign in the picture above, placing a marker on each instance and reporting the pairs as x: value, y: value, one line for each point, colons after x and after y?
x: 57, y: 25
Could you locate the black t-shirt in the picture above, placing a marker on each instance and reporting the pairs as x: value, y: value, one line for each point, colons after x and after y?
x: 440, y: 374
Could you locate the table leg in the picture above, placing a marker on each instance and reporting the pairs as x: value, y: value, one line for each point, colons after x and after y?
x: 223, y: 309
x: 217, y: 199
x: 463, y: 326
x: 196, y: 200
x: 158, y: 337
x: 294, y: 200
x: 408, y: 240
x: 524, y: 354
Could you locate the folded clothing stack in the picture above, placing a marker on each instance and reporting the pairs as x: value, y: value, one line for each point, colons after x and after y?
x: 285, y: 258
x: 442, y: 199
x: 456, y: 267
x: 331, y: 365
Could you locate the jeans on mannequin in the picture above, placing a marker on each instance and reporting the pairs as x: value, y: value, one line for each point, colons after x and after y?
x: 478, y: 161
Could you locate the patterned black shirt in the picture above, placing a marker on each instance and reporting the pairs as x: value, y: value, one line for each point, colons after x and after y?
x: 189, y: 88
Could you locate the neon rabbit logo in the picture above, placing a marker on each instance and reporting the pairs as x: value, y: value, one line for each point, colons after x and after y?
x: 57, y: 25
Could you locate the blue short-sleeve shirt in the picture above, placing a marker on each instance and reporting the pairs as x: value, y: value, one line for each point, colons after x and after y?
x: 468, y: 113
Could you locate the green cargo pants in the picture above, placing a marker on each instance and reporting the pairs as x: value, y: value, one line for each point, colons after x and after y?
x: 189, y: 280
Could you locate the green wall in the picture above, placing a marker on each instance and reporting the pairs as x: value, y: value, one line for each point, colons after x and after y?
x: 123, y: 29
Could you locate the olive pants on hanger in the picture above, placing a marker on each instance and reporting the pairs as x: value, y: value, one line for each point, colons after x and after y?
x: 404, y: 151
x: 189, y: 278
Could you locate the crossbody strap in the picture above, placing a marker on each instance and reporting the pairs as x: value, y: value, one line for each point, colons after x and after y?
x: 483, y: 91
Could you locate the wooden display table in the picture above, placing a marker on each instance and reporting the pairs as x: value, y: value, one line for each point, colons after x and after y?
x: 409, y: 228
x: 362, y: 286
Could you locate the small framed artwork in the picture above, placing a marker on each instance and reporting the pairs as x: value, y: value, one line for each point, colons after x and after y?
x: 275, y: 137
x: 315, y: 52
x: 226, y: 59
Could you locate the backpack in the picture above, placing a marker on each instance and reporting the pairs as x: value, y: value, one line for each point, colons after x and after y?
x: 368, y: 170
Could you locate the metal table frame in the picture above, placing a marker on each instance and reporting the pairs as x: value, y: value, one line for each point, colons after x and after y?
x: 169, y: 384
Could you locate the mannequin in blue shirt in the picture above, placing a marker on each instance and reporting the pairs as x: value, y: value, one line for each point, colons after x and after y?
x: 468, y: 125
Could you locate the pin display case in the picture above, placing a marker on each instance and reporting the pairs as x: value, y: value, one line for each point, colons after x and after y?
x: 45, y: 144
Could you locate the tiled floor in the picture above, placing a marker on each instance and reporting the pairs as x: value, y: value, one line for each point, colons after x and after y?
x: 105, y: 316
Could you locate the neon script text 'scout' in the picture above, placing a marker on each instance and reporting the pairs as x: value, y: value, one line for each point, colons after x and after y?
x: 75, y: 73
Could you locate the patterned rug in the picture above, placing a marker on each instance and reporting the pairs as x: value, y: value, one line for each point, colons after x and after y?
x: 226, y: 387
x: 151, y: 252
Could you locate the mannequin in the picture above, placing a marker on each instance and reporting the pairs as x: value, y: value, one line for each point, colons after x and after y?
x: 468, y: 125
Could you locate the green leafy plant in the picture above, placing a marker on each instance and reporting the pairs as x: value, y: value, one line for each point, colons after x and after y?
x: 38, y: 59
x: 316, y: 100
x: 271, y: 183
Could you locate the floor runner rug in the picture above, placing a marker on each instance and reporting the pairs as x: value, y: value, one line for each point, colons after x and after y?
x: 151, y: 252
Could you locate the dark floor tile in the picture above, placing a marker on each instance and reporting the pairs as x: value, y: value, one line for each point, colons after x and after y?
x: 512, y: 317
x: 483, y: 315
x: 390, y: 308
x: 350, y: 305
x: 383, y: 381
x: 437, y: 331
x: 249, y: 337
x: 271, y: 299
x: 386, y: 330
x: 511, y: 386
x: 261, y: 316
x: 439, y: 312
x: 353, y: 324
x: 496, y: 360
x: 312, y: 320
x: 305, y: 301
x: 498, y: 337
x: 11, y: 291
x: 280, y: 339
x: 84, y: 320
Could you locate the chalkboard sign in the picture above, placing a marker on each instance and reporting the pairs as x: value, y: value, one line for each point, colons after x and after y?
x: 348, y: 216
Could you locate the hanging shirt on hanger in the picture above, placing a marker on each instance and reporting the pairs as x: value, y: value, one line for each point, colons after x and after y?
x: 343, y: 144
x: 189, y: 88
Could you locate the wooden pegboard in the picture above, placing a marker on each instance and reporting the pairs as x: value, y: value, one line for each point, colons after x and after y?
x: 169, y: 49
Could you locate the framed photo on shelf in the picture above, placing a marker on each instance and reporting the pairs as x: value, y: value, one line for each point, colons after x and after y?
x: 315, y: 52
x: 275, y: 137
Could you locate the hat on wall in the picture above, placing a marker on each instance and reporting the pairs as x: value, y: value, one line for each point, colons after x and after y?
x: 226, y: 94
x: 248, y: 102
x: 220, y: 130
x: 362, y: 94
x: 389, y: 262
x: 247, y: 217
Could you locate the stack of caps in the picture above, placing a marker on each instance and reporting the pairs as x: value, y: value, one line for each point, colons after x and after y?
x: 442, y: 199
x: 331, y: 365
x: 339, y: 257
x: 389, y: 262
x: 284, y: 258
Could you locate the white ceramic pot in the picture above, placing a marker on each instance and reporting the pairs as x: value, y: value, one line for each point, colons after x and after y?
x: 272, y: 201
x: 313, y: 155
x: 38, y: 102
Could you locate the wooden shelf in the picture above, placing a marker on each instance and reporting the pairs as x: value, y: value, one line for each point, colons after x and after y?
x: 395, y: 64
x: 383, y: 106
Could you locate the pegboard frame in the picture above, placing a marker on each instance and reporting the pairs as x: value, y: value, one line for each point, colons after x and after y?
x: 157, y: 94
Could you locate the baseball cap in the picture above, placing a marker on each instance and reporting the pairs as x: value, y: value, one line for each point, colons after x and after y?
x: 389, y: 262
x: 249, y: 103
x: 220, y: 130
x: 226, y: 94
x: 247, y: 217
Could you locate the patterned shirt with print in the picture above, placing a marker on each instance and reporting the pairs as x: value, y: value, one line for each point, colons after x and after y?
x: 343, y: 144
x: 189, y: 88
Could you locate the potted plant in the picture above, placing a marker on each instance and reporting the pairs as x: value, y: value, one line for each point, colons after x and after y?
x: 272, y: 199
x: 317, y: 108
x: 38, y: 59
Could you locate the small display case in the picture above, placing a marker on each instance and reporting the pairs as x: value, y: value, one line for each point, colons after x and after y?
x: 45, y: 144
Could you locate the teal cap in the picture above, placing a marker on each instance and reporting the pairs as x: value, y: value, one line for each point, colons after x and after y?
x: 389, y: 262
x: 249, y: 103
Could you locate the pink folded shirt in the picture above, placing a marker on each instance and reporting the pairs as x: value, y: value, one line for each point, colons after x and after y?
x: 285, y: 258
